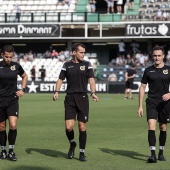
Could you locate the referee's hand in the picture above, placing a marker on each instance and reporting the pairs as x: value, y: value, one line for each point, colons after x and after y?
x: 140, y: 112
x: 19, y: 93
x: 94, y: 97
x: 55, y: 96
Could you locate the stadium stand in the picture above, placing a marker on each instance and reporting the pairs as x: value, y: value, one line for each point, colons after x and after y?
x: 106, y: 70
x: 48, y: 11
x: 52, y: 66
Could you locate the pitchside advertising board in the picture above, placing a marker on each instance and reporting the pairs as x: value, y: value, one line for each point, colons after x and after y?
x: 30, y: 30
x: 148, y: 29
x: 101, y: 87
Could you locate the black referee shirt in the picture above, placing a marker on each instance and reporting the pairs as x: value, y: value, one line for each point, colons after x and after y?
x: 158, y: 80
x: 8, y: 78
x: 131, y: 72
x: 77, y: 75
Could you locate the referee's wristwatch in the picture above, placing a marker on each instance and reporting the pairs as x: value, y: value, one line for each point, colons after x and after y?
x: 23, y: 89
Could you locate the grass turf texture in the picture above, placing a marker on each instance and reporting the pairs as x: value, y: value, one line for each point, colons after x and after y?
x: 116, y: 136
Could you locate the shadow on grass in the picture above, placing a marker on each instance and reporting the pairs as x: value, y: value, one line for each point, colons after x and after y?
x: 47, y: 152
x: 31, y: 167
x: 129, y: 154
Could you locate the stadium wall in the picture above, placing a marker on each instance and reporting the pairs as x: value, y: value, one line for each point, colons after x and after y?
x: 101, y: 87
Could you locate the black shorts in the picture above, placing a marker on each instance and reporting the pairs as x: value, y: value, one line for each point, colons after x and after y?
x: 77, y: 105
x: 9, y: 106
x: 129, y: 85
x: 158, y: 109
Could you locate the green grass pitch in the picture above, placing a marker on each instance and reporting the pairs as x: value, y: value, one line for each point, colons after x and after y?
x: 116, y: 136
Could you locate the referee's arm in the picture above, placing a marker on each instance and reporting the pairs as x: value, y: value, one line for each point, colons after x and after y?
x: 58, y: 85
x: 93, y: 89
x: 24, y: 77
x: 141, y: 96
x: 24, y: 80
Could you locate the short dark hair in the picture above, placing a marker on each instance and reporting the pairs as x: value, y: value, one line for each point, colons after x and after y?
x: 158, y: 48
x: 76, y: 45
x: 8, y: 48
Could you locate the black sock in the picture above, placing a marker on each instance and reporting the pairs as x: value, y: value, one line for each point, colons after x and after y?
x: 162, y: 141
x: 152, y: 141
x: 82, y: 140
x: 12, y: 138
x: 70, y: 136
x: 3, y: 139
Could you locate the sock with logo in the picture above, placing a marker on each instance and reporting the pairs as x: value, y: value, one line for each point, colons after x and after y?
x: 82, y: 140
x: 12, y: 138
x: 70, y: 136
x: 152, y: 141
x: 3, y: 139
x: 162, y: 141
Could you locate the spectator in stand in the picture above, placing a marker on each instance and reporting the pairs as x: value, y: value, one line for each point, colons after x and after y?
x: 129, y: 61
x: 62, y: 2
x: 26, y: 57
x: 88, y: 8
x: 119, y: 6
x: 135, y: 59
x: 165, y: 16
x: 33, y: 73
x: 92, y: 5
x: 158, y: 15
x: 119, y: 61
x: 97, y: 75
x: 47, y: 54
x: 42, y: 73
x: 110, y: 6
x: 17, y: 9
x: 54, y: 54
x: 131, y: 4
x: 67, y: 2
x: 61, y: 56
x: 67, y: 54
x: 15, y: 57
x: 134, y: 45
x: 142, y: 59
x: 30, y: 56
x: 121, y: 46
x: 112, y: 77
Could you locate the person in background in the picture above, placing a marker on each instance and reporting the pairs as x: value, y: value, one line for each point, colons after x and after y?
x: 17, y: 9
x: 165, y: 15
x: 131, y: 4
x: 112, y: 77
x: 157, y: 76
x: 78, y: 73
x: 121, y: 46
x: 42, y: 72
x: 92, y: 5
x: 110, y: 6
x: 33, y: 73
x: 119, y: 6
x: 158, y: 14
x: 129, y: 78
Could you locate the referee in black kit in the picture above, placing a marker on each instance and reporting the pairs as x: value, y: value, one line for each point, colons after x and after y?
x: 157, y: 77
x: 77, y: 73
x: 9, y: 96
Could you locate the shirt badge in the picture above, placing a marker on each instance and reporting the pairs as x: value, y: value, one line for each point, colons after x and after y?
x: 13, y: 68
x: 82, y: 67
x: 165, y: 71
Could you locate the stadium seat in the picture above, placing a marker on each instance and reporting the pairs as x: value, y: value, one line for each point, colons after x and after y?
x: 104, y: 69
